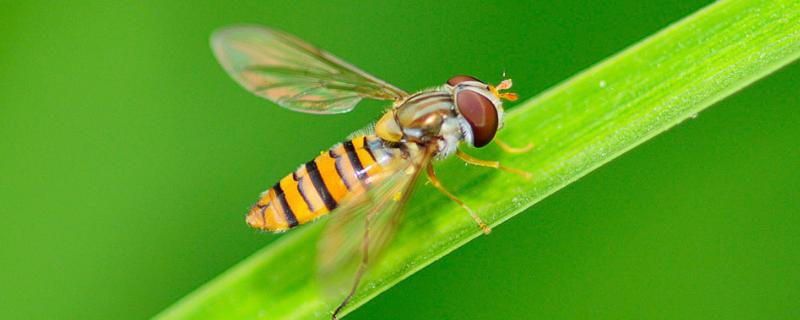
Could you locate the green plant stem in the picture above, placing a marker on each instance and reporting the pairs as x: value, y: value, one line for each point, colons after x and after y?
x: 576, y: 126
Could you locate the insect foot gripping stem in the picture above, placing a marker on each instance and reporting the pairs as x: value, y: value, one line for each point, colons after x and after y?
x: 435, y: 181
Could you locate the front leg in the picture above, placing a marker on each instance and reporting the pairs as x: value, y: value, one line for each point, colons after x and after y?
x: 512, y: 150
x: 491, y: 164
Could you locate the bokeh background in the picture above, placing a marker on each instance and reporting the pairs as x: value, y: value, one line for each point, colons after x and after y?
x: 128, y: 159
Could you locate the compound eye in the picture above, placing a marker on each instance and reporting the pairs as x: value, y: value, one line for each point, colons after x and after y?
x: 481, y: 115
x: 461, y: 78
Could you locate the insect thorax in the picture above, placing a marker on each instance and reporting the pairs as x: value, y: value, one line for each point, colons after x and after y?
x: 425, y: 117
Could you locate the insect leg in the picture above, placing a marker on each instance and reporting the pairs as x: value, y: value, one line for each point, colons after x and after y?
x: 492, y: 164
x: 438, y: 185
x: 513, y: 150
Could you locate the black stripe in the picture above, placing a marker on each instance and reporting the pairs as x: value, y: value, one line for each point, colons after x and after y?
x: 369, y: 150
x: 322, y: 190
x: 303, y: 192
x: 351, y: 153
x: 287, y: 211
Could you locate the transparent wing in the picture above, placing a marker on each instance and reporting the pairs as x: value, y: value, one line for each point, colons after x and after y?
x: 294, y: 74
x: 379, y: 212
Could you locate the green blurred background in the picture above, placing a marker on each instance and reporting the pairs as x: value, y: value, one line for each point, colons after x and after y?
x: 129, y: 159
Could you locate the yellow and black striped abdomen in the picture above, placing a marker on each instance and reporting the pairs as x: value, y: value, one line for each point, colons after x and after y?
x: 317, y: 187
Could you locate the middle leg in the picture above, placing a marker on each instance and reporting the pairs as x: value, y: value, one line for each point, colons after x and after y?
x: 435, y: 181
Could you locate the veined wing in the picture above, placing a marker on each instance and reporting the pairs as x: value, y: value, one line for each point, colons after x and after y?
x: 365, y: 224
x: 294, y: 74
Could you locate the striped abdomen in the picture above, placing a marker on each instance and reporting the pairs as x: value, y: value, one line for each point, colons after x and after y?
x: 317, y: 187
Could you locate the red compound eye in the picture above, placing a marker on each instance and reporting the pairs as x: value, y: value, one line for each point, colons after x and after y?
x: 461, y: 78
x: 481, y: 115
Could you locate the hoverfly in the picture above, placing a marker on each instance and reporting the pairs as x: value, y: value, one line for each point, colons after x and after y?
x: 366, y: 180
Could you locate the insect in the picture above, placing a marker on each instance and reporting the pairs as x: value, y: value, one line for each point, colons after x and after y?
x: 365, y: 181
